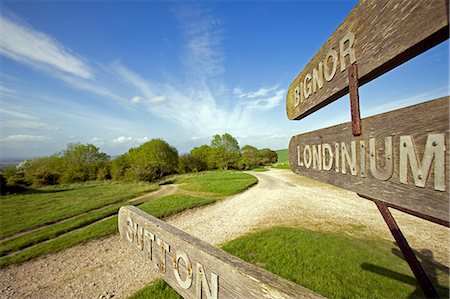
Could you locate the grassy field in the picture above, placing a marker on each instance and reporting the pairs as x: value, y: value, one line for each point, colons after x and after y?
x: 218, y: 183
x: 46, y: 205
x: 91, y: 224
x: 333, y: 265
x: 283, y: 159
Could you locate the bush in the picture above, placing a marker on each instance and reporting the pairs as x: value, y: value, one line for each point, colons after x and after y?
x: 43, y: 171
x: 151, y: 161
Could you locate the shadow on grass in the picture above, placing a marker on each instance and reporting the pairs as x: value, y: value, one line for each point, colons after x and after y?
x: 430, y: 265
x: 21, y: 190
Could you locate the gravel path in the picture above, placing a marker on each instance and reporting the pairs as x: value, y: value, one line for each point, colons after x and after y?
x: 108, y: 268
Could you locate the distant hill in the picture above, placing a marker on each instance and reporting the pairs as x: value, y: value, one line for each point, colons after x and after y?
x: 282, y: 156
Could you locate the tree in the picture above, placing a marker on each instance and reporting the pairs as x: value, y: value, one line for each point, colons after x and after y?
x: 187, y: 163
x: 249, y: 157
x: 267, y: 156
x: 152, y: 160
x: 119, y: 167
x: 225, y: 151
x: 82, y: 162
x: 202, y: 156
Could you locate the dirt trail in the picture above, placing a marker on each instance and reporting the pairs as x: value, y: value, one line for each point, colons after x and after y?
x: 107, y: 267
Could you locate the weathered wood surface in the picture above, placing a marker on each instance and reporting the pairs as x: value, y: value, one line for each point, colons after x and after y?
x: 414, y: 175
x: 213, y: 272
x: 383, y: 34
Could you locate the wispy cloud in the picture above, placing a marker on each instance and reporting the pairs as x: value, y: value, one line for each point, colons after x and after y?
x: 25, y: 138
x: 26, y: 124
x: 201, y: 104
x: 17, y: 114
x: 27, y: 45
x: 148, y: 93
x: 204, y: 34
x: 263, y: 99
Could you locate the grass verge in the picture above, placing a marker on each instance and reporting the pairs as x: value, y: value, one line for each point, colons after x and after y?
x: 220, y: 183
x: 333, y: 265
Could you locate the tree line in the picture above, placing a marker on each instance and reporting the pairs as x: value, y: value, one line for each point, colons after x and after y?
x: 149, y: 162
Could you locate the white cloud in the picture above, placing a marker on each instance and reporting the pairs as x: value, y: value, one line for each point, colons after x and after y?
x: 137, y: 100
x: 129, y: 140
x: 26, y: 124
x: 141, y: 100
x: 98, y: 141
x: 27, y: 45
x: 204, y: 54
x: 263, y: 99
x: 142, y: 85
x: 17, y: 114
x: 26, y: 138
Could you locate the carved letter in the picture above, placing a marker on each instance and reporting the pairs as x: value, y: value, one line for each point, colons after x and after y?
x: 336, y: 157
x: 164, y: 248
x: 362, y: 159
x: 202, y: 281
x: 317, y: 156
x: 307, y: 156
x: 385, y: 174
x: 434, y: 150
x: 318, y: 78
x: 346, y: 158
x: 327, y: 148
x: 350, y: 37
x: 139, y: 237
x: 307, y: 86
x: 299, y: 158
x: 130, y: 230
x: 297, y: 96
x: 150, y: 237
x: 186, y: 284
x: 329, y: 74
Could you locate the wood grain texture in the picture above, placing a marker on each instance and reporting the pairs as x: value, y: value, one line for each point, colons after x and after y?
x: 418, y: 121
x: 236, y: 278
x: 387, y: 34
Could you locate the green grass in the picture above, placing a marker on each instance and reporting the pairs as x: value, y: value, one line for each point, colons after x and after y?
x: 260, y: 169
x: 157, y: 289
x: 220, y: 183
x: 172, y: 204
x: 281, y: 166
x: 283, y: 156
x: 330, y: 264
x: 283, y: 159
x: 56, y: 230
x: 79, y: 230
x: 47, y: 205
x: 94, y: 231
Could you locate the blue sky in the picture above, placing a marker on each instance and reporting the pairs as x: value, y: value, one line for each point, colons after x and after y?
x: 116, y: 74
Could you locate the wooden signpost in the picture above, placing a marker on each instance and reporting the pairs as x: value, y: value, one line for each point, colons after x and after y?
x: 401, y: 158
x: 398, y: 159
x: 376, y: 35
x: 196, y: 269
